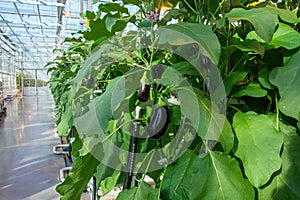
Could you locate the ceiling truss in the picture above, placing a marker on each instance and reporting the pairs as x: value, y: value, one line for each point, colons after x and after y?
x: 33, y: 28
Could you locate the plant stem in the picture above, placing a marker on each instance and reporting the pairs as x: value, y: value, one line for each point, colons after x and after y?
x: 220, y: 5
x: 235, y: 108
x: 151, y: 61
x: 228, y: 42
x: 160, y: 185
x: 237, y: 64
x: 277, y: 111
x: 121, y: 126
x: 190, y: 6
x: 137, y: 65
x: 152, y: 44
x: 148, y: 165
x: 199, y: 18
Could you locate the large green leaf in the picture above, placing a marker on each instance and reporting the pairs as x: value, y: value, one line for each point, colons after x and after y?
x: 185, y: 68
x: 227, y: 85
x: 187, y: 98
x: 286, y: 184
x: 63, y: 125
x: 232, y: 79
x: 250, y: 45
x: 134, y: 2
x: 263, y: 20
x: 98, y: 30
x: 285, y: 14
x: 66, y: 120
x: 170, y: 77
x: 259, y: 145
x: 265, y: 81
x: 287, y: 79
x: 252, y: 90
x: 82, y: 170
x: 214, y: 125
x: 214, y: 176
x: 90, y: 14
x: 114, y: 24
x: 188, y: 33
x: 109, y: 183
x: 285, y: 36
x: 143, y: 191
x: 112, y: 7
x: 96, y: 120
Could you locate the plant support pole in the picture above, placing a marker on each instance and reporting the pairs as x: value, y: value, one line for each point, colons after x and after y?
x: 132, y: 150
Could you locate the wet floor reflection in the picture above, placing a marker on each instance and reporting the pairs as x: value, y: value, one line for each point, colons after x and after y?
x: 28, y: 168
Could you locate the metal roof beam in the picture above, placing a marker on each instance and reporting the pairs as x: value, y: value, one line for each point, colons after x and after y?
x: 11, y: 29
x: 31, y: 35
x: 34, y: 14
x: 21, y: 18
x: 37, y: 3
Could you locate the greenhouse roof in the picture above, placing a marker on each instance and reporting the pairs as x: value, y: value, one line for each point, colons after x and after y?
x: 33, y: 28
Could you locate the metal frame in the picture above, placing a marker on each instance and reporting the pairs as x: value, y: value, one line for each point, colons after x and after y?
x: 33, y: 28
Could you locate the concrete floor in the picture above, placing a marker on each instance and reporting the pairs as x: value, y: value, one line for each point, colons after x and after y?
x: 28, y: 168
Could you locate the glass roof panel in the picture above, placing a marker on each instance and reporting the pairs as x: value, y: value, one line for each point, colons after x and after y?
x: 34, y: 28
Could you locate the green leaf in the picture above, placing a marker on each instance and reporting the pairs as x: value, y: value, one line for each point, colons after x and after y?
x: 143, y: 191
x: 123, y: 90
x: 214, y: 176
x: 287, y: 79
x: 175, y: 114
x: 90, y: 14
x: 97, y: 42
x: 76, y: 144
x: 264, y: 21
x: 189, y: 33
x: 110, y: 182
x: 98, y: 30
x: 264, y: 80
x: 251, y: 45
x: 284, y: 14
x: 114, y: 24
x: 63, y: 125
x: 185, y: 68
x: 102, y: 172
x: 134, y: 2
x: 112, y: 7
x: 96, y: 120
x: 83, y: 169
x: 187, y: 97
x: 233, y: 78
x: 285, y: 36
x: 286, y: 184
x: 214, y: 125
x: 252, y: 90
x: 259, y: 145
x: 65, y: 121
x: 145, y: 24
x: 170, y: 77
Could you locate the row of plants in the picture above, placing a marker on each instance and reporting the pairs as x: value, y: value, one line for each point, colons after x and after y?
x: 228, y: 73
x: 29, y: 81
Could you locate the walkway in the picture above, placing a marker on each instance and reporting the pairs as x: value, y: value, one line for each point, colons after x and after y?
x: 28, y: 168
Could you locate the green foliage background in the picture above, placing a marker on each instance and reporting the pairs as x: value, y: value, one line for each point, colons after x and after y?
x: 255, y: 47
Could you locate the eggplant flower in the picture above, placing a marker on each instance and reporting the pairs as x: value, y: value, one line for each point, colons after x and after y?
x: 152, y: 17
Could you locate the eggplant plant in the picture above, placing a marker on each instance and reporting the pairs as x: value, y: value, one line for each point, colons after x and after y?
x: 225, y: 77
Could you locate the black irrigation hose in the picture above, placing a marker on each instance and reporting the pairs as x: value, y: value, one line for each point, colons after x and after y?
x: 131, y: 155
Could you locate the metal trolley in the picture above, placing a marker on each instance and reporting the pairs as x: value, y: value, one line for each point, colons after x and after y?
x: 2, y: 101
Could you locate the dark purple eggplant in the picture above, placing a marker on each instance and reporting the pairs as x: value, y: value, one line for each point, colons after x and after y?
x: 143, y: 93
x: 67, y: 65
x: 159, y: 119
x: 157, y: 71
